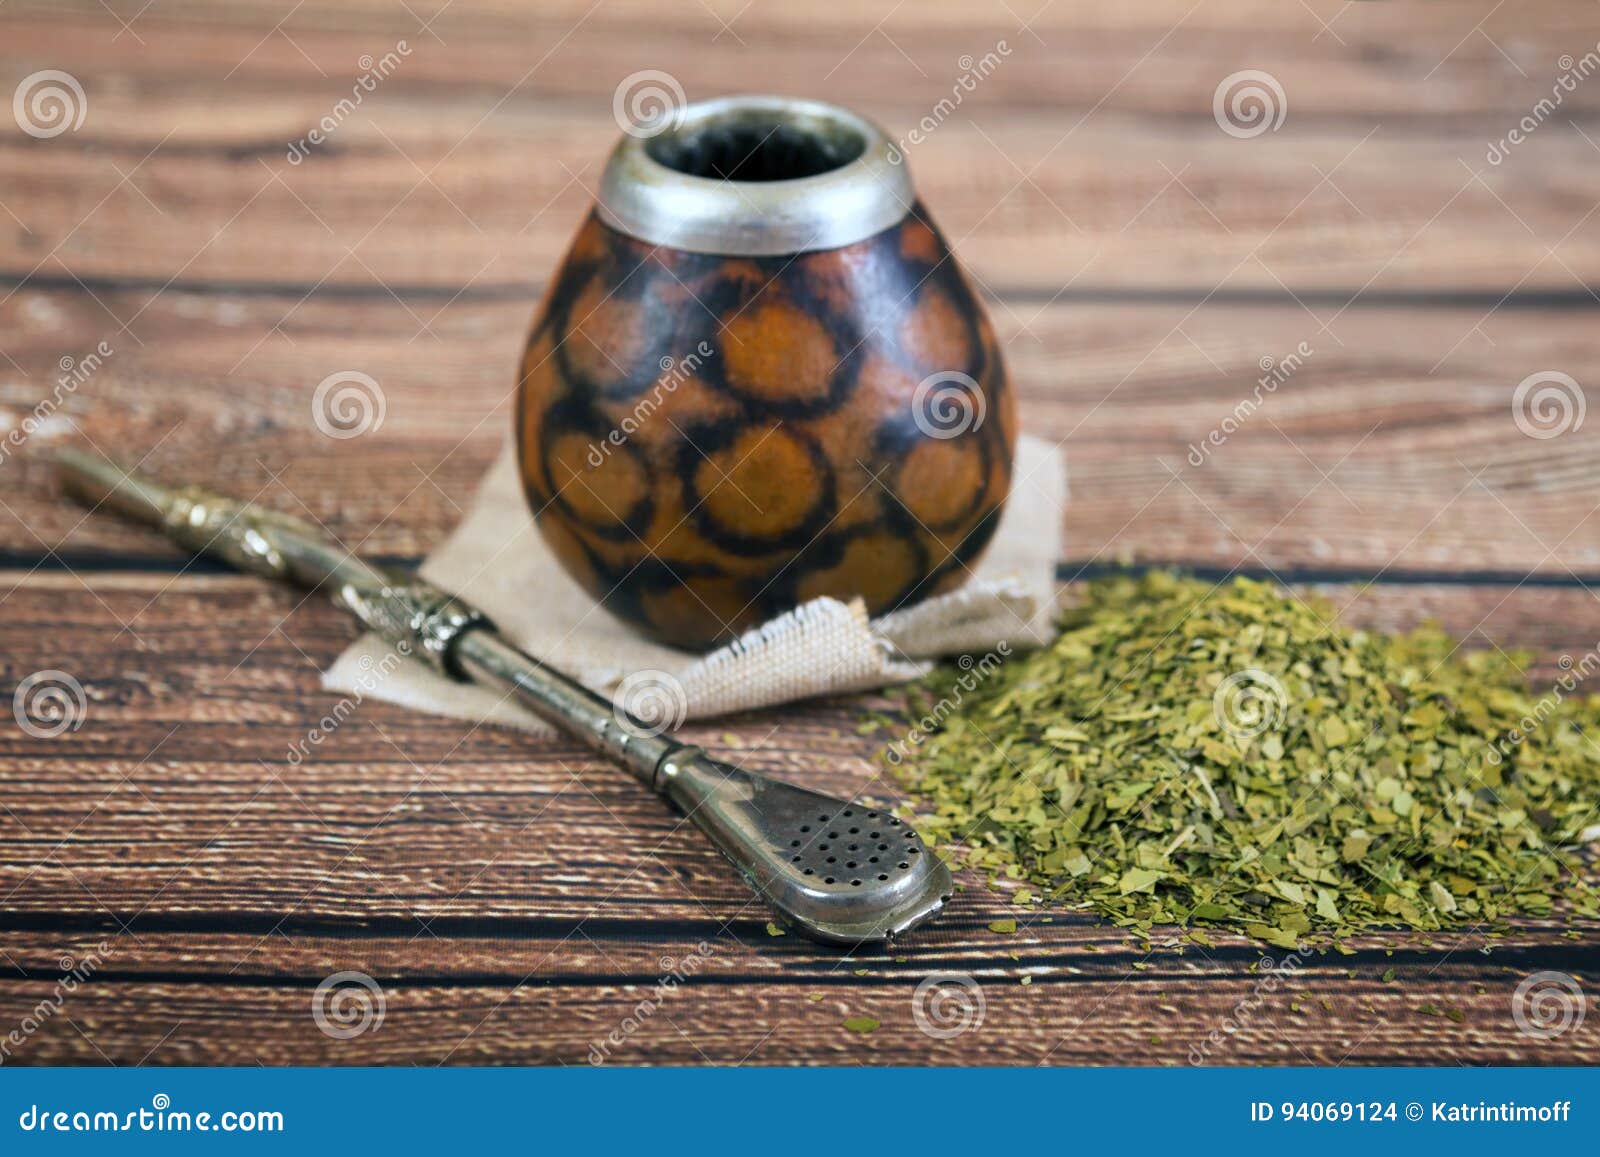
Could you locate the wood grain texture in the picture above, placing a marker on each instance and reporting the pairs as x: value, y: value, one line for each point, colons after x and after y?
x: 1392, y: 448
x: 517, y: 899
x: 1031, y: 203
x: 1083, y: 1013
x: 482, y: 876
x: 1089, y: 154
x: 190, y: 789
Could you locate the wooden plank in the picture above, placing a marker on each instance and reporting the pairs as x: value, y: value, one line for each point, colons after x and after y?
x: 497, y: 952
x: 515, y: 898
x: 1082, y: 1014
x: 492, y: 18
x: 189, y: 792
x: 1159, y: 57
x: 1032, y: 204
x: 1392, y: 446
x: 448, y: 175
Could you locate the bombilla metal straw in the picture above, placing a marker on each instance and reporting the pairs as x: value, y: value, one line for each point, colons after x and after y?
x: 836, y: 871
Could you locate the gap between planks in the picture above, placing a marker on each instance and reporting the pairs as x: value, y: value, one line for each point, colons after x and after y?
x: 1579, y: 297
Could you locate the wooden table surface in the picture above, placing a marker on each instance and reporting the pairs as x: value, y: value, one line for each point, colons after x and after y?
x: 517, y: 901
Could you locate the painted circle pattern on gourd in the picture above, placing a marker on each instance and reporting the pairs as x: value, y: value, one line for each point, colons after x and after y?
x: 707, y: 441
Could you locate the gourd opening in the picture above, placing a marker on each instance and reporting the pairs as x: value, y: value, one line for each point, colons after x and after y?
x: 758, y: 147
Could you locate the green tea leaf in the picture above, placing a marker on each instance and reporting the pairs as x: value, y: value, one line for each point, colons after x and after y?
x: 1232, y: 754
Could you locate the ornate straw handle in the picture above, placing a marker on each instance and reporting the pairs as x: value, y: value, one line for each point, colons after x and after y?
x: 419, y: 618
x: 414, y: 615
x: 755, y: 821
x: 244, y: 536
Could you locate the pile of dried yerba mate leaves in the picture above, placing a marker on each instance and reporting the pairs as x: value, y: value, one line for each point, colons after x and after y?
x: 1197, y: 755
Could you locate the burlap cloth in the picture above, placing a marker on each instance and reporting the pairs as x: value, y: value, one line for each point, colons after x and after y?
x: 497, y: 560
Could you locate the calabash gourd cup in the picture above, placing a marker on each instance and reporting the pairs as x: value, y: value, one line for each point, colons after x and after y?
x: 759, y: 377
